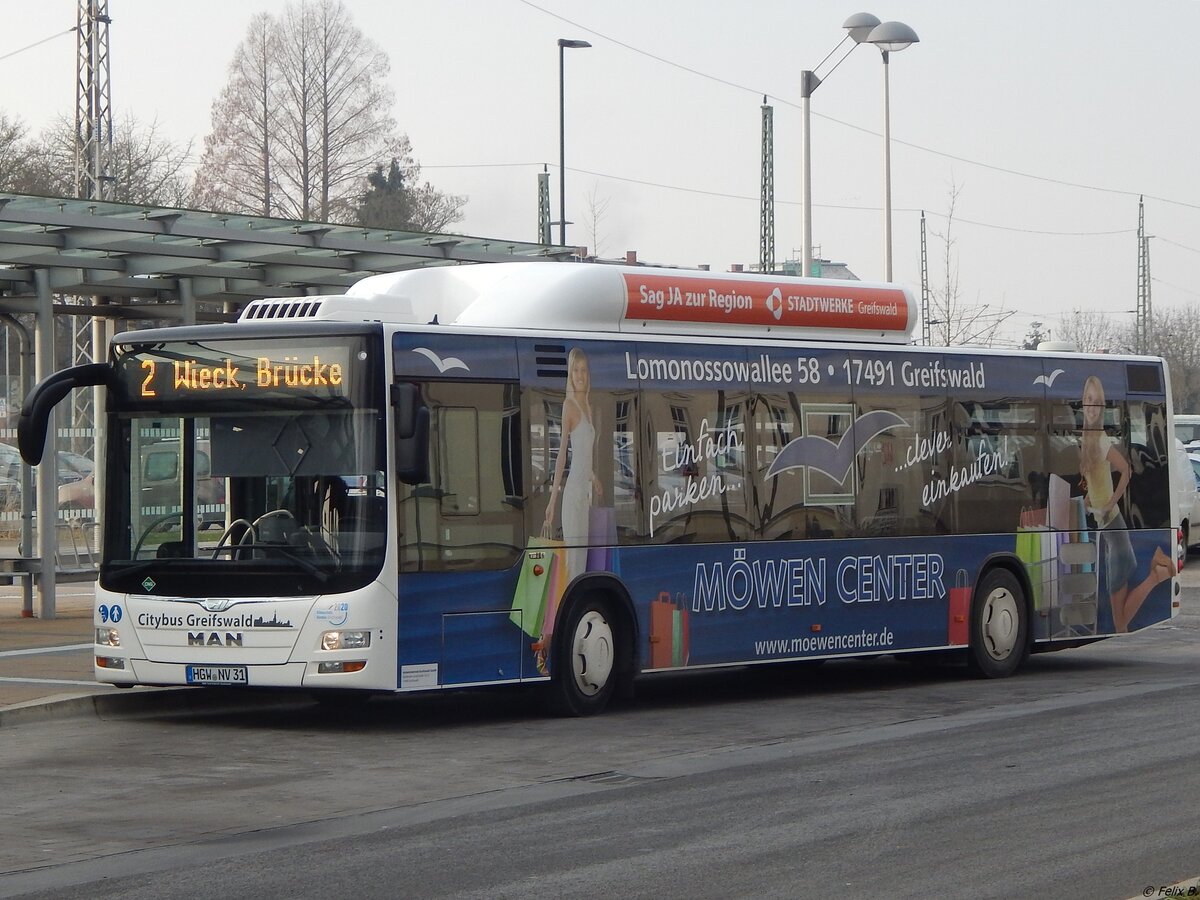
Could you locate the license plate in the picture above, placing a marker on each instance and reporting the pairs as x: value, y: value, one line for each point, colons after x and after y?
x: 217, y: 675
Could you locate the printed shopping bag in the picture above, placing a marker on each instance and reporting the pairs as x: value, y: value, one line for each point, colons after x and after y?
x: 662, y: 627
x: 1033, y: 518
x: 960, y: 609
x: 602, y: 539
x: 1058, y: 503
x: 1050, y: 543
x: 679, y: 637
x: 1030, y: 551
x: 556, y: 586
x: 669, y: 633
x: 529, y: 598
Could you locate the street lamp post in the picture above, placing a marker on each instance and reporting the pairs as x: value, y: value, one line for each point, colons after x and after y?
x: 808, y: 84
x: 563, y: 44
x: 858, y: 26
x: 889, y: 37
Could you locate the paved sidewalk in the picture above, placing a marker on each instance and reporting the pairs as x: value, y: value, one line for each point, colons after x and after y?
x: 44, y: 660
x: 46, y: 669
x: 46, y: 666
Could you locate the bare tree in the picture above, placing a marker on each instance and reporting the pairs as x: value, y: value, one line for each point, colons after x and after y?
x: 17, y: 155
x: 597, y: 211
x: 303, y: 119
x: 235, y: 172
x: 1175, y: 335
x: 954, y: 321
x: 144, y: 167
x: 1092, y: 332
x: 148, y: 168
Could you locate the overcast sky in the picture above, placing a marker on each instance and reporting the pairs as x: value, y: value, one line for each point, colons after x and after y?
x: 1045, y: 118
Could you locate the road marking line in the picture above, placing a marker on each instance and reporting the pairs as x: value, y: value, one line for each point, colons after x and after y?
x: 33, y: 651
x: 7, y: 680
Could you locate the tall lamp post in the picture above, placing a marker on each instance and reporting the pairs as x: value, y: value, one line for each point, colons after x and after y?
x: 858, y: 27
x: 889, y: 37
x: 563, y: 44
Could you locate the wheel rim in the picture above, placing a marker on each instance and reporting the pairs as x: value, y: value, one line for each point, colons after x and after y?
x: 592, y: 653
x: 1001, y: 623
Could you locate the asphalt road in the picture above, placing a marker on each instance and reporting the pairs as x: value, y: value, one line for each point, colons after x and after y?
x: 1076, y: 778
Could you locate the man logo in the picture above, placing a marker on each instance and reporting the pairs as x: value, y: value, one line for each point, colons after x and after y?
x: 775, y: 304
x: 214, y: 639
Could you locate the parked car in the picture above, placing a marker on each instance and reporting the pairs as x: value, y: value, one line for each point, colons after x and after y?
x: 1187, y: 497
x: 1194, y: 459
x: 1187, y: 429
x: 79, y: 494
x: 160, y: 484
x: 72, y: 468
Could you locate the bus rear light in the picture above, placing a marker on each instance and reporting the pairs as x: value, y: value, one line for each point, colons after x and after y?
x: 110, y: 662
x: 345, y: 640
x: 337, y: 668
x: 108, y: 637
x: 815, y: 628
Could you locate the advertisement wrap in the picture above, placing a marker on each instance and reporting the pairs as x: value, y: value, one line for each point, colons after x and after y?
x: 777, y: 502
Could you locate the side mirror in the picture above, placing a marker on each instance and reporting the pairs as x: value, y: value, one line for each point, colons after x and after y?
x: 35, y: 411
x: 412, y: 434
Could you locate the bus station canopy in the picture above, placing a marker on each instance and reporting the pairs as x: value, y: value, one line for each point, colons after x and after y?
x: 134, y: 256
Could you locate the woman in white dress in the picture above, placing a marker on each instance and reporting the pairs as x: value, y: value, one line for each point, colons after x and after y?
x: 582, y: 485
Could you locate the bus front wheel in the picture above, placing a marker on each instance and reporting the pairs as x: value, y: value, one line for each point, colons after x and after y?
x: 584, y: 664
x: 999, y: 625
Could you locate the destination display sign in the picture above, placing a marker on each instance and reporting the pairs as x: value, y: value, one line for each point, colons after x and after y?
x: 219, y: 370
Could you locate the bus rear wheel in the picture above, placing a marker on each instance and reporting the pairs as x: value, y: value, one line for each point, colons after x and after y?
x: 584, y: 665
x: 999, y: 626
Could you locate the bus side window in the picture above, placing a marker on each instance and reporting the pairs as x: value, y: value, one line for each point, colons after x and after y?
x: 463, y: 513
x: 458, y: 445
x: 1150, y: 500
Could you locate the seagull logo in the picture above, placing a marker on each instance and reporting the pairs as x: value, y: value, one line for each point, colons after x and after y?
x: 775, y: 304
x: 1048, y: 380
x: 824, y: 455
x: 443, y: 365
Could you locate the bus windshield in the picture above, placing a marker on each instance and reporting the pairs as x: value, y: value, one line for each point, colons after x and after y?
x: 264, y: 490
x: 260, y: 504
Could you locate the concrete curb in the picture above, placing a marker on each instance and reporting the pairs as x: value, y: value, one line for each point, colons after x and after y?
x: 148, y: 702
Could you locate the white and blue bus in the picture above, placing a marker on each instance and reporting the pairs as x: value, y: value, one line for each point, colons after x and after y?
x: 576, y: 474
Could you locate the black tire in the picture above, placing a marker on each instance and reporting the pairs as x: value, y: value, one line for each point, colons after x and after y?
x: 999, y: 625
x: 584, y: 664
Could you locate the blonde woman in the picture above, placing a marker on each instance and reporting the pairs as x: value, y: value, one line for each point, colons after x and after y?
x: 578, y: 433
x: 1099, y: 458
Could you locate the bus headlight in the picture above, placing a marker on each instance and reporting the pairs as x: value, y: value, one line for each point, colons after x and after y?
x: 345, y: 640
x: 108, y: 637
